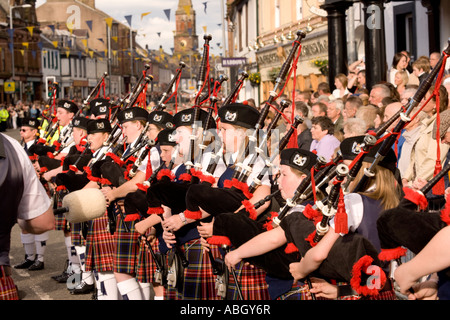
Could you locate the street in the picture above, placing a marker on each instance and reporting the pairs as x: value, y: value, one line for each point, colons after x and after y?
x: 38, y: 285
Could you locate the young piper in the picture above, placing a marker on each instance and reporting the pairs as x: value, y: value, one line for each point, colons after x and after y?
x: 133, y: 280
x: 79, y: 133
x: 210, y: 198
x: 150, y: 226
x: 99, y: 240
x: 382, y: 191
x: 34, y: 245
x: 170, y: 191
x: 250, y: 239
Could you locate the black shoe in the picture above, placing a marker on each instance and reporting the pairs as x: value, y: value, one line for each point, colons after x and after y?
x: 83, y: 288
x: 24, y: 265
x: 58, y: 276
x: 62, y: 278
x: 37, y: 265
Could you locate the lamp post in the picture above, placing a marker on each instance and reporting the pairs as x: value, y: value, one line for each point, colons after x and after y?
x: 13, y: 73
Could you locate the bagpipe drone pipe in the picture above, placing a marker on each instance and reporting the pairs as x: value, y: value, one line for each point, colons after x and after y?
x: 405, y: 118
x: 410, y: 225
x: 236, y: 182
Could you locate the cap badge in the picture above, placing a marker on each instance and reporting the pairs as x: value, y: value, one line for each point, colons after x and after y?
x: 299, y: 160
x: 230, y: 116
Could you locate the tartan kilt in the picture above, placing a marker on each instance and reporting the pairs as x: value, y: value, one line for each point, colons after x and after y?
x: 146, y: 267
x: 75, y: 234
x: 127, y: 247
x: 100, y: 246
x: 252, y: 282
x: 199, y: 280
x: 60, y: 219
x: 8, y: 289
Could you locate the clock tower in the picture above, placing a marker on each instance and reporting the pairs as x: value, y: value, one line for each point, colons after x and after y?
x: 185, y: 38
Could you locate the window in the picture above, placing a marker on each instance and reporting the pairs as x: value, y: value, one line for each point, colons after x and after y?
x: 405, y: 28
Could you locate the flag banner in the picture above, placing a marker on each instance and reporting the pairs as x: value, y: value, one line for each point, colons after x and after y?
x: 89, y: 24
x: 167, y: 12
x: 128, y: 18
x: 145, y: 14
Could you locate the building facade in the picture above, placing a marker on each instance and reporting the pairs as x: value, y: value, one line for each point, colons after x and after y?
x: 263, y: 32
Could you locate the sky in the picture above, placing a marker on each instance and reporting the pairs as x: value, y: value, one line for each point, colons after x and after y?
x: 156, y: 28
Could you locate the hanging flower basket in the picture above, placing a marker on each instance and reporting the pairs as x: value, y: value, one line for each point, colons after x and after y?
x: 324, y: 70
x: 322, y: 65
x: 255, y: 79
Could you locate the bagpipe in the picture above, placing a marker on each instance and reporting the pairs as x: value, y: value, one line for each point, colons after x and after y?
x: 241, y: 171
x: 161, y: 105
x: 47, y: 114
x: 203, y: 76
x: 128, y: 101
x: 215, y: 157
x: 115, y: 142
x: 405, y: 118
x: 409, y: 225
x: 207, y: 125
x: 273, y: 96
x: 367, y: 254
x: 68, y: 134
x: 237, y: 87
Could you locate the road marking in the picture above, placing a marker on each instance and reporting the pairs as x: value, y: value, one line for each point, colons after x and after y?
x: 22, y: 273
x: 40, y: 293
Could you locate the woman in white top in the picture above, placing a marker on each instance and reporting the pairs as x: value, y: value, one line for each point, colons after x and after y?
x: 399, y: 62
x: 340, y: 81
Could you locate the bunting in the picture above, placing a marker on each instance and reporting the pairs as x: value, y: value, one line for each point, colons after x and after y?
x: 128, y: 18
x: 89, y: 24
x: 167, y: 12
x: 145, y: 14
x: 109, y: 22
x: 30, y: 30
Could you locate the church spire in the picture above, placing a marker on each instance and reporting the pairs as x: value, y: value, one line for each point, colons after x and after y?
x: 185, y: 39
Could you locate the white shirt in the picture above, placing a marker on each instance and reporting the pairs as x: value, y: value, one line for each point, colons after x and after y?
x: 355, y: 210
x: 35, y: 200
x: 70, y: 142
x: 257, y: 168
x: 154, y: 159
